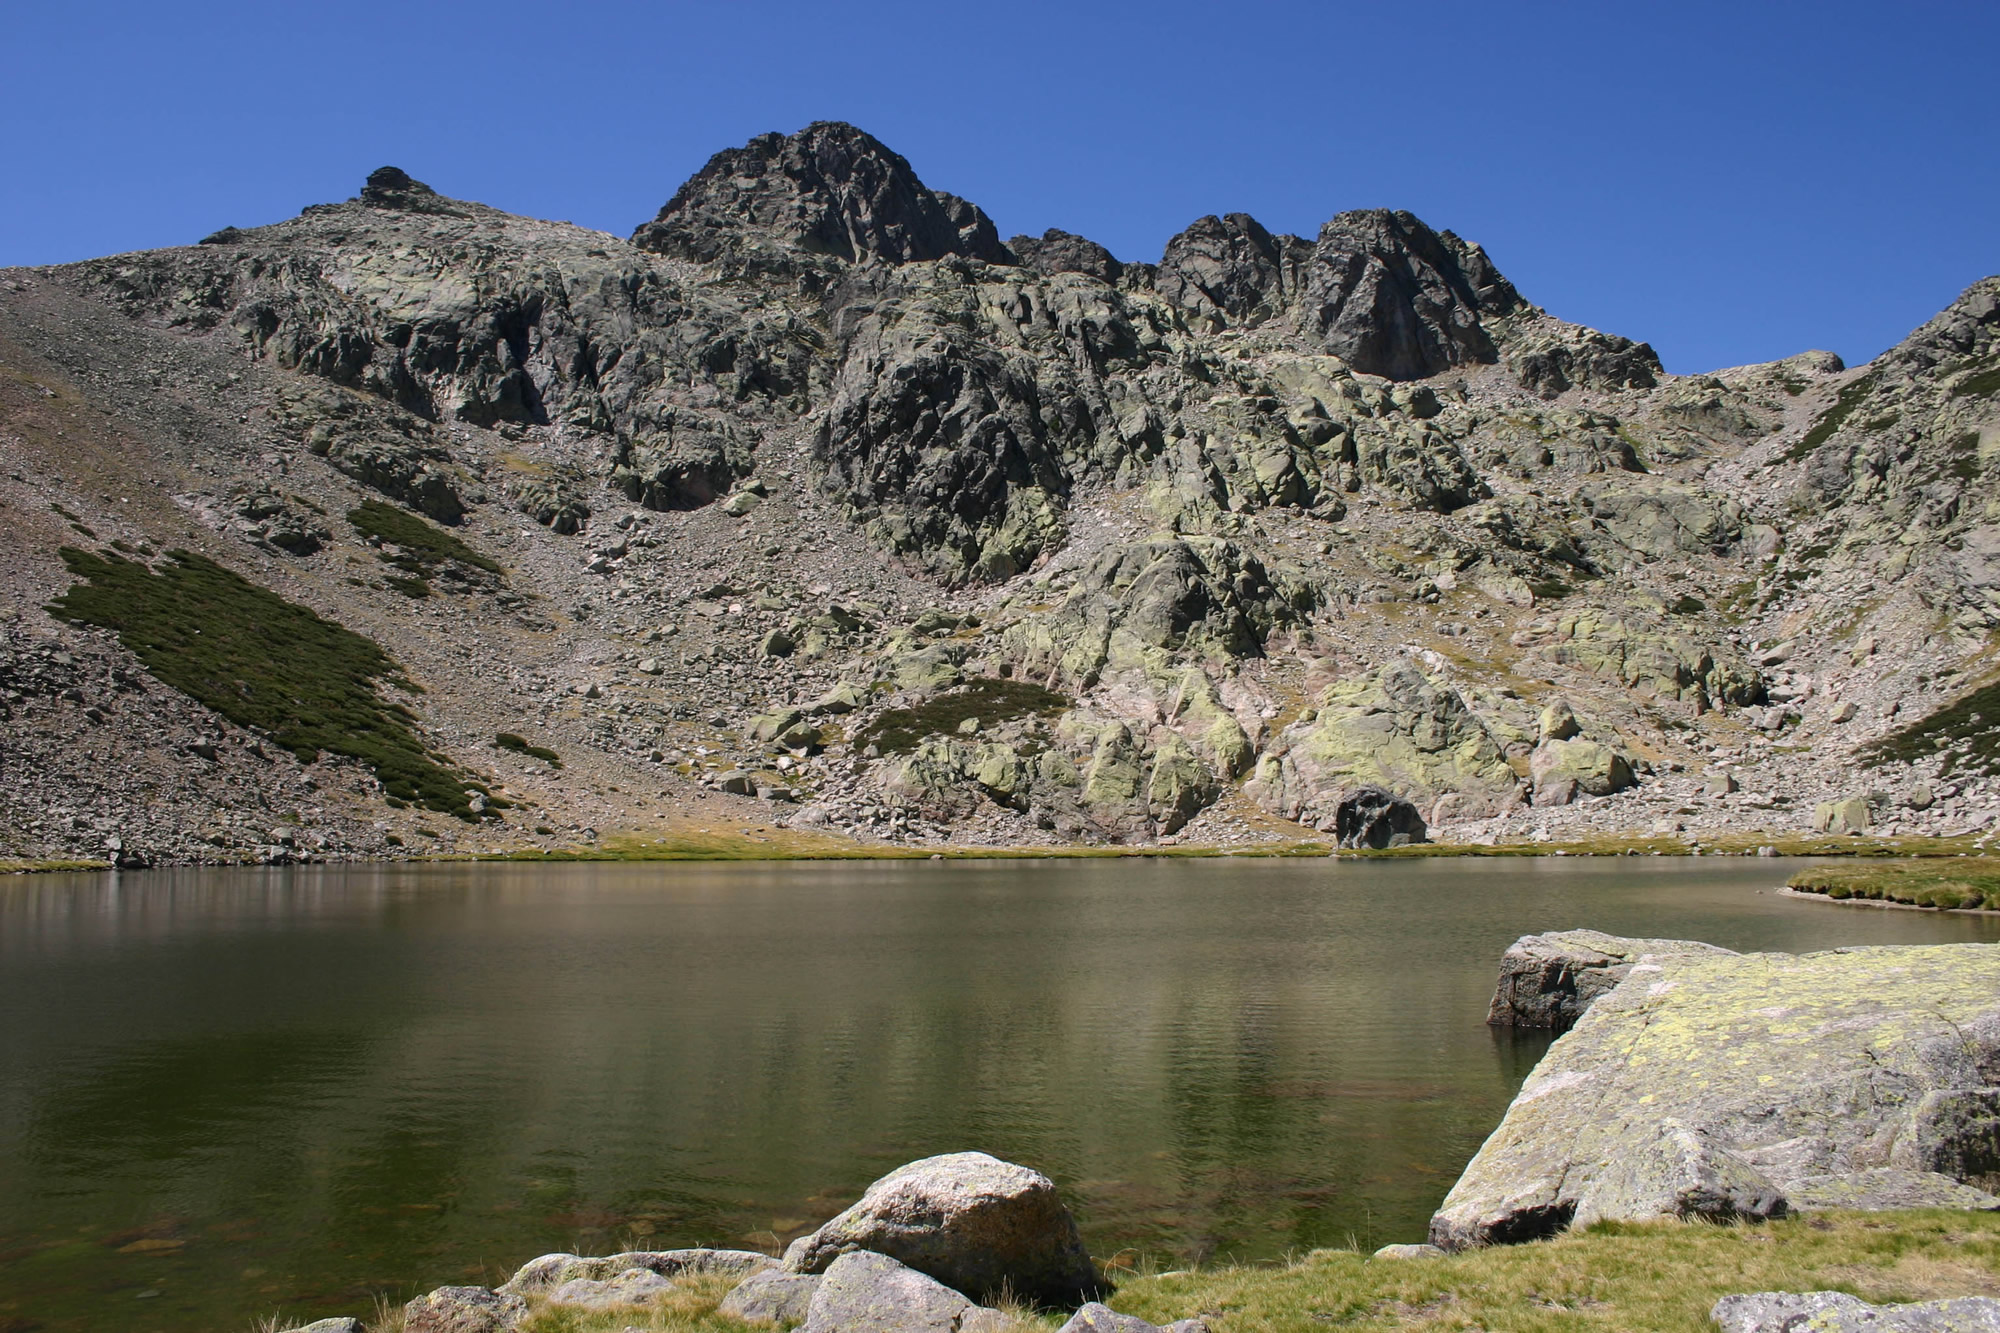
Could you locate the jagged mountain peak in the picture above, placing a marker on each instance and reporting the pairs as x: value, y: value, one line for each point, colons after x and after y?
x: 1378, y: 287
x: 829, y: 189
x: 395, y: 189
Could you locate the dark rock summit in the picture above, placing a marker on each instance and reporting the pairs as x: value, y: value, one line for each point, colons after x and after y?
x: 392, y: 187
x: 1378, y: 289
x: 829, y: 189
x: 1056, y: 251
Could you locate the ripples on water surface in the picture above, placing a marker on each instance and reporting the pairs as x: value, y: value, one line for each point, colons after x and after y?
x: 230, y: 1092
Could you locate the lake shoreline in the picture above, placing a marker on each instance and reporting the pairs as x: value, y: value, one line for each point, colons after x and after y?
x: 749, y: 848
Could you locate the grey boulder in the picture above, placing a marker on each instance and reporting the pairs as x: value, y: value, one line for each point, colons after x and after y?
x: 1838, y: 1312
x: 634, y: 1286
x: 863, y: 1292
x: 771, y: 1297
x: 1095, y: 1318
x: 553, y: 1270
x: 344, y: 1324
x: 971, y: 1221
x: 1408, y: 1252
x: 1547, y: 981
x: 465, y: 1310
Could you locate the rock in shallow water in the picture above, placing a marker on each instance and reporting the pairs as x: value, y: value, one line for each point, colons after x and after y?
x: 1547, y: 981
x: 1713, y: 1085
x: 973, y: 1222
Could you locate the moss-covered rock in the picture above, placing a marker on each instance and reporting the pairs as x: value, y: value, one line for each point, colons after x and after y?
x: 1564, y: 770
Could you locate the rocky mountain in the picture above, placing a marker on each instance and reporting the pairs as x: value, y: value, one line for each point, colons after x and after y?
x: 408, y: 523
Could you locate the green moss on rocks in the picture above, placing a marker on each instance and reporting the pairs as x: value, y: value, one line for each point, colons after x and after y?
x: 265, y: 663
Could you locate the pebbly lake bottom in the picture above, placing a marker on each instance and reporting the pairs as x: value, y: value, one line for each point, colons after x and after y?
x: 229, y: 1093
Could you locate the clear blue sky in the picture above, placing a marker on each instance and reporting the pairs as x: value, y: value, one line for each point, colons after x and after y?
x: 1732, y: 182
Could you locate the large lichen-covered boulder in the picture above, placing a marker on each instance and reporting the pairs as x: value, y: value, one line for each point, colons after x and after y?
x: 1564, y: 770
x: 1393, y: 728
x: 1846, y: 815
x: 1838, y: 1312
x: 973, y: 1222
x: 1549, y: 980
x: 1720, y: 1086
x: 1650, y: 658
x: 1655, y: 518
x: 1179, y: 785
x: 1147, y: 604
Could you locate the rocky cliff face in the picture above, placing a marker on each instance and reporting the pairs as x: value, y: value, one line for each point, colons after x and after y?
x: 1273, y: 519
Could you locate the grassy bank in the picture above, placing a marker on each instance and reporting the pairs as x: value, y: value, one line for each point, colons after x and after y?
x: 21, y: 867
x: 1625, y: 1278
x: 1659, y: 1276
x: 1955, y: 883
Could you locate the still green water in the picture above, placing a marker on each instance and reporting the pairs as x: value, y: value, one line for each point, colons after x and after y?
x: 225, y: 1094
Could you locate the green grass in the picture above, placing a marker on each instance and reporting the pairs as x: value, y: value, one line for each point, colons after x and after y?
x: 263, y: 663
x: 1654, y: 1278
x: 1947, y: 729
x: 1948, y: 883
x: 507, y: 740
x: 421, y: 548
x: 992, y: 701
x: 1830, y: 420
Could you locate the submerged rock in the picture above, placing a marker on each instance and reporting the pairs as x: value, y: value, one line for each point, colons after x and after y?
x: 973, y: 1222
x: 1716, y: 1086
x: 1547, y: 981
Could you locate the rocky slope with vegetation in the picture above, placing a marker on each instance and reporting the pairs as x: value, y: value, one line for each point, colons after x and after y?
x: 815, y: 510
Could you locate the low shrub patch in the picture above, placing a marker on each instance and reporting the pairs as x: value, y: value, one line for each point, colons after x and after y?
x: 991, y: 700
x: 265, y: 663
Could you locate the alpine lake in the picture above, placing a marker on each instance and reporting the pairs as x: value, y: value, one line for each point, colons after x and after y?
x: 226, y: 1094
